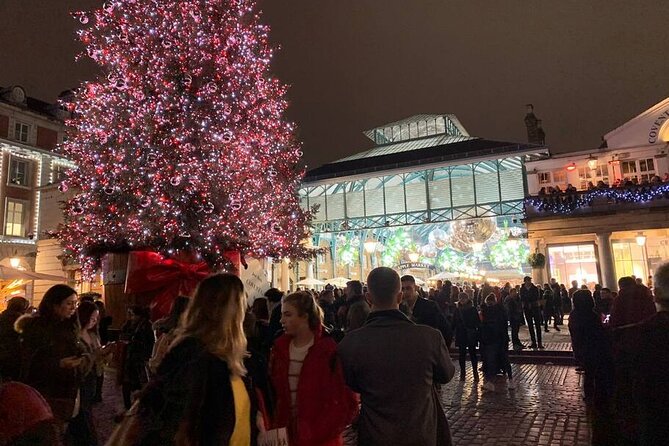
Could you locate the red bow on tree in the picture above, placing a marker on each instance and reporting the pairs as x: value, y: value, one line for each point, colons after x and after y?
x: 150, y: 272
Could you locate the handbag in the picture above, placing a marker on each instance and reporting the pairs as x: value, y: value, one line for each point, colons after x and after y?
x: 273, y: 437
x: 127, y: 432
x: 270, y: 437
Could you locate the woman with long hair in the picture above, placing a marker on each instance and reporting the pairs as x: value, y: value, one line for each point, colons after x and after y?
x: 52, y: 359
x: 312, y: 400
x: 82, y: 428
x: 200, y: 394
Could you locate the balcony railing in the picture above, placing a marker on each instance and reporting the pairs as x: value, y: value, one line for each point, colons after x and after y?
x: 600, y: 200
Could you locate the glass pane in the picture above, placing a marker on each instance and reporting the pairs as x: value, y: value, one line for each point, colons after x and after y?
x: 462, y: 182
x: 487, y: 184
x: 355, y: 205
x: 394, y: 187
x: 574, y: 263
x: 335, y: 202
x: 374, y: 197
x: 415, y: 192
x: 439, y: 187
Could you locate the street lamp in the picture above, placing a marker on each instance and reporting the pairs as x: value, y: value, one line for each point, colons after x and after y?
x: 640, y: 239
x: 592, y: 163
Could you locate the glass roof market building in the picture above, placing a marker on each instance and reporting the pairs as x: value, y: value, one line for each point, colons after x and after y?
x: 428, y: 199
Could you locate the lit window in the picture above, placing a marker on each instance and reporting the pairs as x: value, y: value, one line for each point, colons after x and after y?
x: 19, y: 172
x: 544, y: 177
x: 559, y: 177
x: 15, y: 218
x: 21, y: 131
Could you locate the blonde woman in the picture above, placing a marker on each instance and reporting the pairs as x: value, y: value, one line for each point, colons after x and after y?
x: 312, y: 400
x: 200, y: 394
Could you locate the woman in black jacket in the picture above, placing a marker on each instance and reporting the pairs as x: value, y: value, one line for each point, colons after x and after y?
x: 200, y: 394
x: 52, y: 359
x: 138, y: 333
x: 494, y: 342
x: 467, y: 325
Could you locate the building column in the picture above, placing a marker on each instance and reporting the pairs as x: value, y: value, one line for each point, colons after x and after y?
x: 606, y: 264
x: 285, y: 276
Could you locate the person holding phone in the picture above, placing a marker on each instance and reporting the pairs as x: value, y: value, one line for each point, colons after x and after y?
x: 52, y: 359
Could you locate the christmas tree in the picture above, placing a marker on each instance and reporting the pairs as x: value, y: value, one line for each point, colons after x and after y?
x: 181, y: 144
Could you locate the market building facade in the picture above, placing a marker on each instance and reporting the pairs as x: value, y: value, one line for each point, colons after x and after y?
x: 429, y: 200
x: 598, y: 233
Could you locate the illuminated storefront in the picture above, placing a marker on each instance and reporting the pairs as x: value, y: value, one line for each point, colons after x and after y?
x: 429, y: 200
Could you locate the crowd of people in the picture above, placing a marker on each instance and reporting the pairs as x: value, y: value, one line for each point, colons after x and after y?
x: 307, y: 364
x: 632, y: 182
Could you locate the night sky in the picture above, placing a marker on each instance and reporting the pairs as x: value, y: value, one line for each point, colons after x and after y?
x: 587, y: 66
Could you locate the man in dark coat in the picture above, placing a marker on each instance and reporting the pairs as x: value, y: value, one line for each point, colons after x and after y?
x: 394, y: 364
x: 423, y: 311
x: 529, y: 296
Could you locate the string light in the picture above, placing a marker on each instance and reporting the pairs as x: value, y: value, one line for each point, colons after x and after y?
x: 567, y: 204
x: 186, y: 125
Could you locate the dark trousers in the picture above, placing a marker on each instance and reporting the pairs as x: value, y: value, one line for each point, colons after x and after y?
x: 534, y: 322
x: 472, y: 356
x: 515, y: 327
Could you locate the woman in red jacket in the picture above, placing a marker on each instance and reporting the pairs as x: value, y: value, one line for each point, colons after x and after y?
x: 313, y: 402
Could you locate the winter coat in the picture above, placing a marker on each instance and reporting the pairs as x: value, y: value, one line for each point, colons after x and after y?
x: 650, y: 379
x: 494, y: 326
x: 191, y: 394
x: 467, y: 323
x: 325, y: 405
x: 43, y: 344
x: 514, y: 309
x: 140, y: 340
x: 530, y: 297
x: 10, y: 346
x: 394, y: 364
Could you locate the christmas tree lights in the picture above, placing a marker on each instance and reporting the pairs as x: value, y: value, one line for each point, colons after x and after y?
x: 181, y: 145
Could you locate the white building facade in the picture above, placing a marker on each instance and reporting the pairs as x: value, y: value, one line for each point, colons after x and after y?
x: 602, y: 234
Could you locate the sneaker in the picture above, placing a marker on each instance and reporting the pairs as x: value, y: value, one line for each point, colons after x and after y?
x: 489, y: 385
x: 557, y: 328
x: 534, y: 346
x: 541, y: 347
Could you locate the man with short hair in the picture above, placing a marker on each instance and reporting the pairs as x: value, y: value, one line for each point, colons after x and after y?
x: 423, y: 311
x: 529, y: 296
x: 354, y: 311
x: 394, y: 365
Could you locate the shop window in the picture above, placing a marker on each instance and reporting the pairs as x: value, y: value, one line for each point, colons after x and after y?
x: 630, y: 259
x: 15, y: 218
x: 573, y: 262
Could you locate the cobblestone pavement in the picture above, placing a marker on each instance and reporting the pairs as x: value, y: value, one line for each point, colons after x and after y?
x: 545, y: 408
